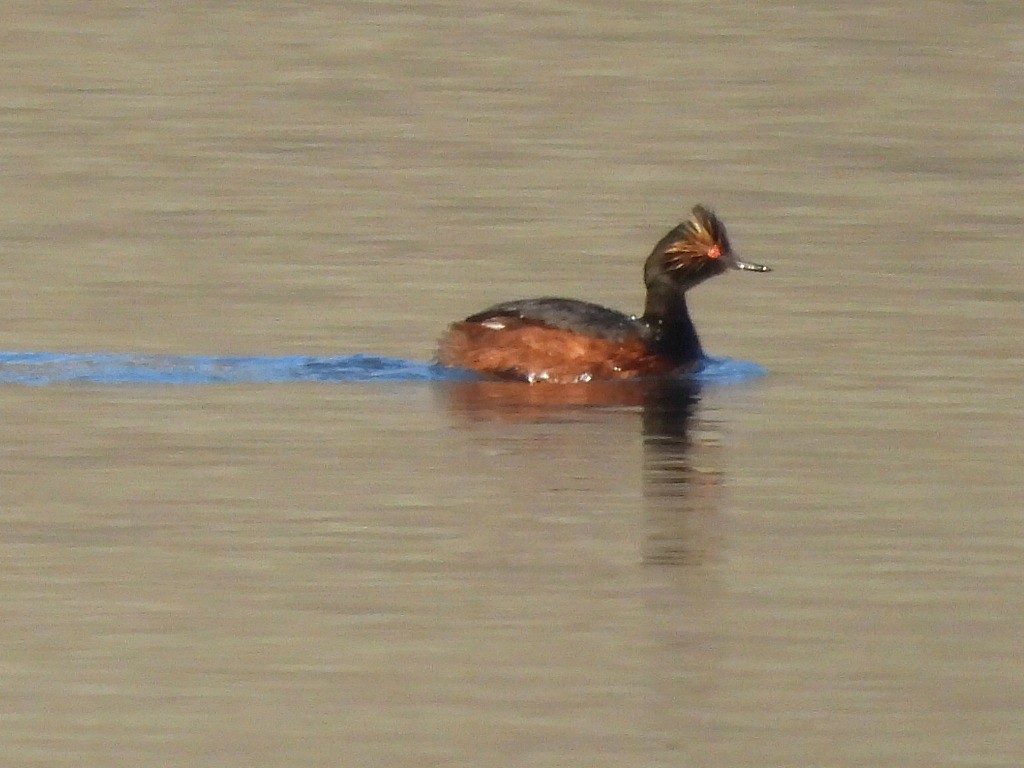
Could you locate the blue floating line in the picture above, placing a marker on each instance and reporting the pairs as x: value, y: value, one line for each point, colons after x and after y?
x: 46, y: 368
x: 723, y: 370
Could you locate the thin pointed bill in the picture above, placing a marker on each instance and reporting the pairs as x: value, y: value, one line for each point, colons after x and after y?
x: 749, y: 265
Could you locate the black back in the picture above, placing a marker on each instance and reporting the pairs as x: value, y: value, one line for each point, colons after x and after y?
x: 581, y: 317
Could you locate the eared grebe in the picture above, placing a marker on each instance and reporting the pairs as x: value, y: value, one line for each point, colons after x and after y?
x: 566, y: 341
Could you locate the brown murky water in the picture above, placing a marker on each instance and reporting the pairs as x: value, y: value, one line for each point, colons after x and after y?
x: 822, y: 567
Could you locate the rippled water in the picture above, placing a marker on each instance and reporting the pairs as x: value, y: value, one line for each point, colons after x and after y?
x: 44, y: 368
x: 338, y: 556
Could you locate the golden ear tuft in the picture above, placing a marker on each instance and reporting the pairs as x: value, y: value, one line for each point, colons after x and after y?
x: 701, y: 236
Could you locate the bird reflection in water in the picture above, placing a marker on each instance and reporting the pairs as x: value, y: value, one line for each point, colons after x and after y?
x: 681, y: 480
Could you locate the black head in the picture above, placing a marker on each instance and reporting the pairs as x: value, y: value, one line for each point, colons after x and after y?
x: 691, y: 253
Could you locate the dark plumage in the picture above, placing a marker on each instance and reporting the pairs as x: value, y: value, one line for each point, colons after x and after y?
x: 566, y: 340
x: 567, y: 314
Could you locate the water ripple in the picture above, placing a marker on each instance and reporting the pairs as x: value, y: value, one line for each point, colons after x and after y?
x: 44, y: 368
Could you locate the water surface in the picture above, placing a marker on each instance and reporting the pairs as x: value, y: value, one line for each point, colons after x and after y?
x: 820, y: 566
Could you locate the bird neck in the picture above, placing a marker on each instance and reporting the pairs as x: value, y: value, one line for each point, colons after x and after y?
x: 672, y: 330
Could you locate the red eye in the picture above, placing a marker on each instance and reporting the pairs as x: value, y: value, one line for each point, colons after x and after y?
x: 715, y: 251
